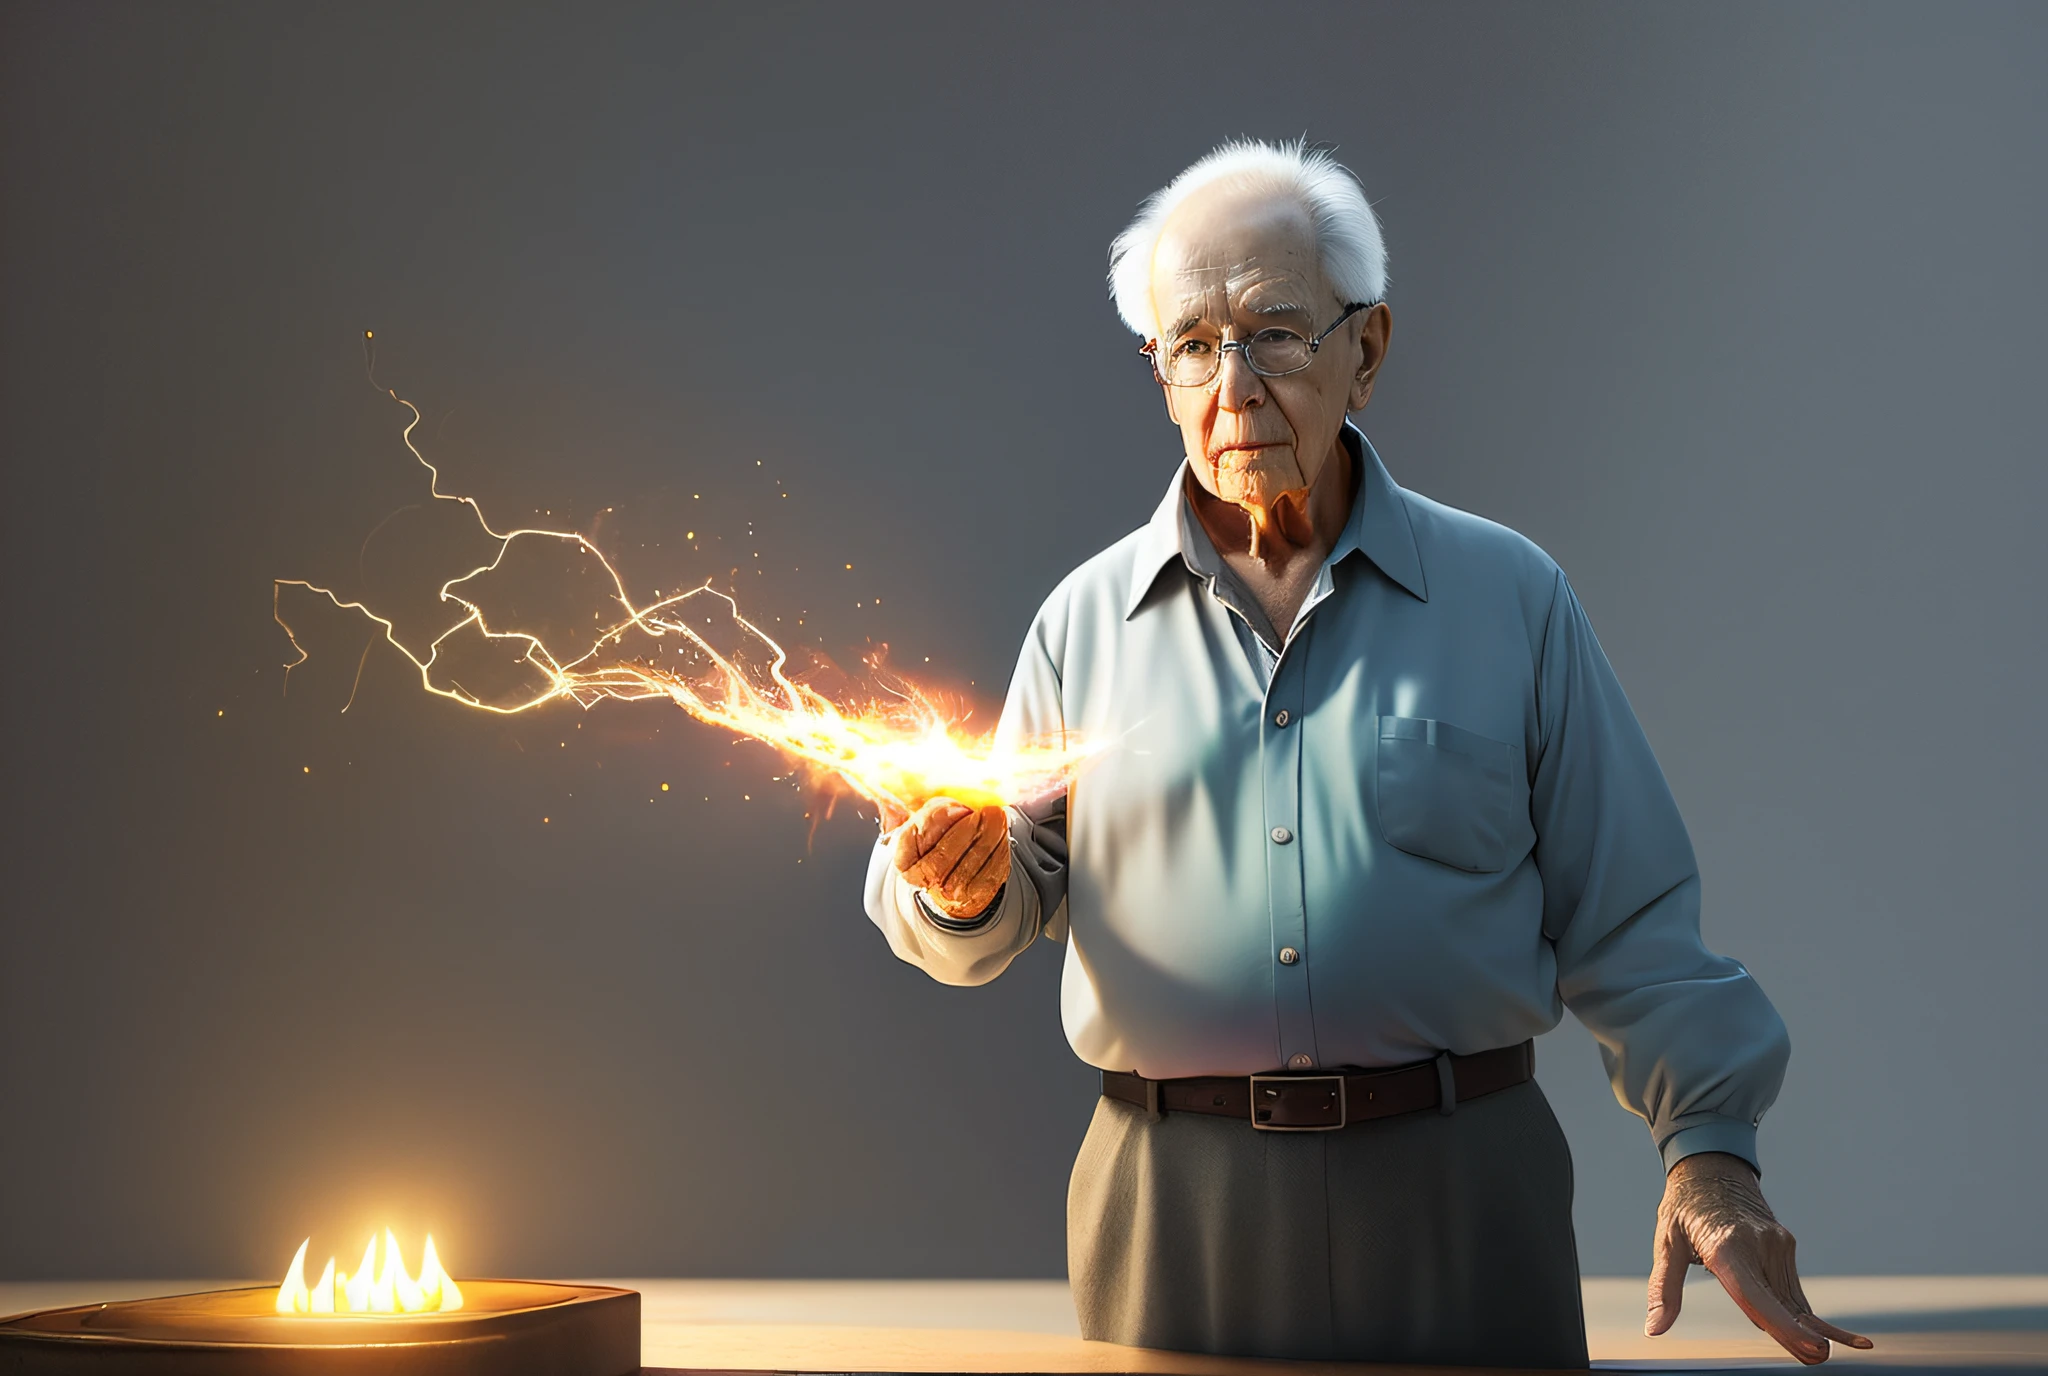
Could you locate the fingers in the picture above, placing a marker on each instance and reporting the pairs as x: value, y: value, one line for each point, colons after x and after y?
x: 981, y: 872
x: 1744, y: 1282
x: 994, y: 831
x: 1784, y: 1278
x: 995, y: 872
x: 958, y: 855
x: 1840, y: 1335
x: 1713, y: 1212
x: 918, y: 836
x: 935, y: 818
x: 1671, y: 1257
x: 903, y: 854
x: 905, y: 849
x: 938, y: 861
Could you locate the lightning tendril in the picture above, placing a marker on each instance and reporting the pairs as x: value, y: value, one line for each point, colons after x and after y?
x: 897, y: 750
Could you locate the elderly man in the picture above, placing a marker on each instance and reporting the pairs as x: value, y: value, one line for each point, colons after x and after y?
x: 1374, y: 809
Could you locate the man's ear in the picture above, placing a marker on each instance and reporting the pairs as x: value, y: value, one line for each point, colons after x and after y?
x: 1373, y: 338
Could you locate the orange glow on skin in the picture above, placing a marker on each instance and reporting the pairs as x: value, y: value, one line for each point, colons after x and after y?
x: 897, y: 751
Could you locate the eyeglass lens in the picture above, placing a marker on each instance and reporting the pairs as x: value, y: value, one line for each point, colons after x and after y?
x: 1193, y: 360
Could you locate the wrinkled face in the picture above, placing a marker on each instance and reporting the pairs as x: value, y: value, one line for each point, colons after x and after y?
x: 1229, y: 264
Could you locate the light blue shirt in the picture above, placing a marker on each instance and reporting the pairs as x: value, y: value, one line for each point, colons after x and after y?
x: 1425, y: 820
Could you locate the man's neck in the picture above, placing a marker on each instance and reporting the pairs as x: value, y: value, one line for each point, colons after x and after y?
x: 1292, y: 552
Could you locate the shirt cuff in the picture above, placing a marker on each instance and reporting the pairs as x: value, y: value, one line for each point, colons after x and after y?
x: 1731, y: 1135
x: 960, y: 926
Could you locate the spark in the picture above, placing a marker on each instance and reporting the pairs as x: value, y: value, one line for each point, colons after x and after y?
x: 897, y: 748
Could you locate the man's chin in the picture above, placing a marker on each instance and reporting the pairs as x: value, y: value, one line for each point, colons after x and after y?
x: 1257, y: 478
x: 1268, y: 487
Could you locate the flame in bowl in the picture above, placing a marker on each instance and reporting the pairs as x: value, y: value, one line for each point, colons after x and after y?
x: 370, y: 1290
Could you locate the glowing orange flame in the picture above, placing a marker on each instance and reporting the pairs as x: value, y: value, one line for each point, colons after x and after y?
x: 393, y: 1290
x: 897, y: 752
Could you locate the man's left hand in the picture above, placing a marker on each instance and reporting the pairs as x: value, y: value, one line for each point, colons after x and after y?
x: 1714, y: 1214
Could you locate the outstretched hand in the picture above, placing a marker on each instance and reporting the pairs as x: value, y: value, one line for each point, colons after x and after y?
x: 959, y: 856
x: 1714, y: 1214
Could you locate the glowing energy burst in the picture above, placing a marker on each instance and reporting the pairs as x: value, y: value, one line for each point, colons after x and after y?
x: 897, y: 750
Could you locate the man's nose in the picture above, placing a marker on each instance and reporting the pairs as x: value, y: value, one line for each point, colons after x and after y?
x: 1238, y: 388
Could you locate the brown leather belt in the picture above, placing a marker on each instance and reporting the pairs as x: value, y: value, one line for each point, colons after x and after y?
x: 1320, y: 1103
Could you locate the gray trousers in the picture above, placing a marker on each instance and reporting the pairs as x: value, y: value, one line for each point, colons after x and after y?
x: 1425, y: 1238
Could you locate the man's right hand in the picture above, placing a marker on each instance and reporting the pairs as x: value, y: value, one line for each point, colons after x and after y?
x: 958, y: 855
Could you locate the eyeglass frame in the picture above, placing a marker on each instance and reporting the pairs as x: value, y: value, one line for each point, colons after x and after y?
x: 1150, y: 348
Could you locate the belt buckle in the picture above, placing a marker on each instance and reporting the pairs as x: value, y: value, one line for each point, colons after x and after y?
x: 1311, y: 1109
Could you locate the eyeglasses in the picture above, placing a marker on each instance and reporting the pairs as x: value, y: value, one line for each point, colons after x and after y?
x: 1272, y: 352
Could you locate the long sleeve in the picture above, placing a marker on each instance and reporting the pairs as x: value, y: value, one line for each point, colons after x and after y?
x: 1690, y: 1042
x: 1034, y: 899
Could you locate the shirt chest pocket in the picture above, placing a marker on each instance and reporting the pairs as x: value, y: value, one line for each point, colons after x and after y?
x: 1452, y: 795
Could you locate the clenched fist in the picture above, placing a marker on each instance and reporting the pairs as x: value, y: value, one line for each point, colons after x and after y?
x: 958, y: 855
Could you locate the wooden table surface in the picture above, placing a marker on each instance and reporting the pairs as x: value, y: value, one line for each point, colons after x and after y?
x: 1932, y: 1324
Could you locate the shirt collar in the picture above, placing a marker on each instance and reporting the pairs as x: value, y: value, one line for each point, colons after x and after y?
x: 1378, y: 528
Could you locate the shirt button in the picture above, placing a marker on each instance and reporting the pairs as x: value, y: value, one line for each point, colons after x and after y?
x: 1300, y: 1060
x: 1280, y: 718
x: 1288, y: 955
x: 1281, y: 836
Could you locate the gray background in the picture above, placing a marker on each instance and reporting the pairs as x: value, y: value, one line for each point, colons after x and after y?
x: 1736, y: 310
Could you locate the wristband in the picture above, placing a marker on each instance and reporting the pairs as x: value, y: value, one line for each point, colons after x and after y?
x: 960, y: 924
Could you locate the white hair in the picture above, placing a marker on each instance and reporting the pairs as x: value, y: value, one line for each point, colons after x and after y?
x: 1347, y: 232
